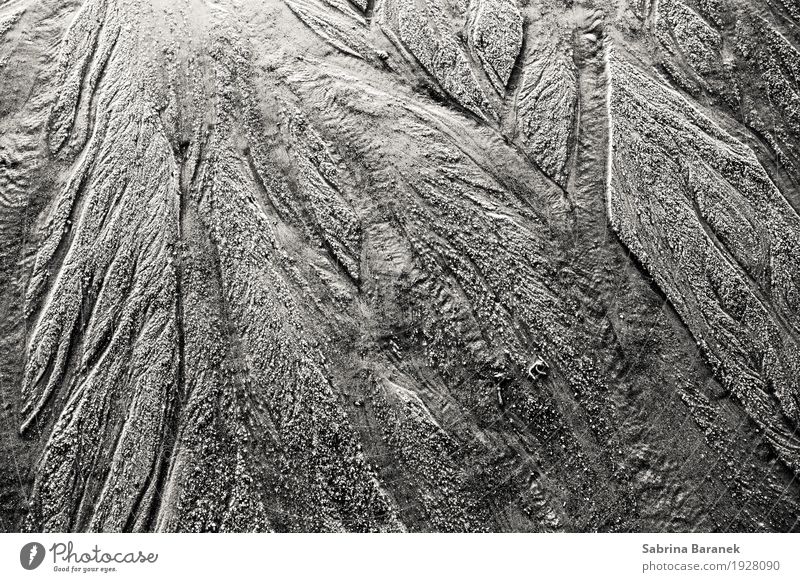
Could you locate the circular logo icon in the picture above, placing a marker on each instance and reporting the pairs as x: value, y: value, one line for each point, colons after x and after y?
x: 31, y: 555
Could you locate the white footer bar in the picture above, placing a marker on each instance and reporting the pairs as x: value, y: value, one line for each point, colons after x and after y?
x: 406, y: 557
